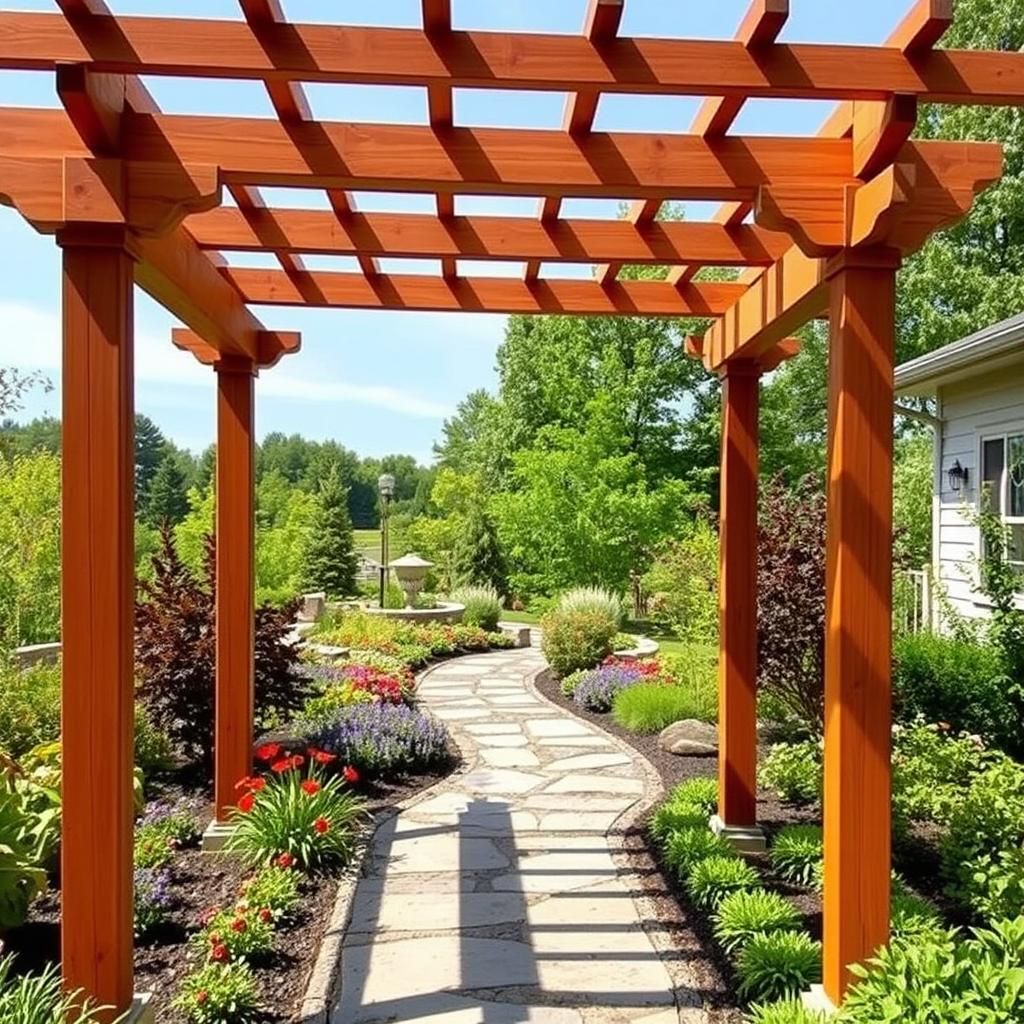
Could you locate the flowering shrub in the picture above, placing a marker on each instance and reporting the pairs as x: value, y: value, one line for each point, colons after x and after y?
x: 385, y: 739
x: 152, y: 900
x: 273, y: 890
x: 304, y: 815
x: 595, y: 690
x: 573, y: 640
x: 239, y: 933
x: 219, y: 994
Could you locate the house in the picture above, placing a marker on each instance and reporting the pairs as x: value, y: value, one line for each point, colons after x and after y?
x: 977, y: 385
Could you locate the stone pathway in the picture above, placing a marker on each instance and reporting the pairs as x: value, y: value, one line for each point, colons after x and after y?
x: 495, y: 899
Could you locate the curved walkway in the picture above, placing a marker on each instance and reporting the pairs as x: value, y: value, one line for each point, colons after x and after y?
x: 495, y: 899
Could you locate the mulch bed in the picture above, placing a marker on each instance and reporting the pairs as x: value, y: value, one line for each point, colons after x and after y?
x: 201, y: 881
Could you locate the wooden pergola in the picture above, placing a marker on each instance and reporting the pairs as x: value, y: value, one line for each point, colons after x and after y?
x: 133, y: 196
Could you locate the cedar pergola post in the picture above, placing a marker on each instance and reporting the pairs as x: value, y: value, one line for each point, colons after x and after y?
x: 97, y: 613
x: 857, y: 799
x: 737, y: 609
x: 235, y: 581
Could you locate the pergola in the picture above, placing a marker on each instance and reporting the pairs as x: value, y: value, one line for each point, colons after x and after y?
x: 133, y: 196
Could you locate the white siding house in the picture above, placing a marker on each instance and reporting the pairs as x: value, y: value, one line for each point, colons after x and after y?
x: 978, y: 389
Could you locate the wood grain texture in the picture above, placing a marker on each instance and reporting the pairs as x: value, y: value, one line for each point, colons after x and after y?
x: 481, y: 294
x: 858, y: 617
x: 97, y: 624
x: 235, y: 609
x: 737, y: 597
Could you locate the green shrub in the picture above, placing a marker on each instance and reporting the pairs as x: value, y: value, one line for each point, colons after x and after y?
x: 954, y: 680
x: 797, y: 853
x: 26, y: 840
x: 219, y: 994
x: 29, y: 708
x: 712, y: 879
x: 786, y: 1011
x: 574, y: 640
x: 272, y: 889
x: 687, y: 847
x: 696, y: 670
x: 483, y: 606
x: 568, y: 684
x: 912, y: 918
x: 943, y: 980
x: 649, y: 707
x: 592, y: 601
x: 153, y: 847
x: 742, y: 915
x: 311, y: 818
x: 794, y: 771
x: 671, y: 817
x: 778, y: 965
x: 988, y: 821
x: 41, y: 998
x: 701, y: 792
x: 154, y: 752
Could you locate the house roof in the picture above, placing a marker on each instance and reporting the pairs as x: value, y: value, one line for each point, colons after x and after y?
x: 982, y: 352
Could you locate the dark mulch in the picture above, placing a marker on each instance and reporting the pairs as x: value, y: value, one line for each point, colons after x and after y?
x: 201, y: 881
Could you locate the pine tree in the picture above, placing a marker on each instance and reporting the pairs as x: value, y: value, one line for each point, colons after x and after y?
x: 150, y: 451
x: 477, y: 558
x: 330, y: 562
x: 168, y: 494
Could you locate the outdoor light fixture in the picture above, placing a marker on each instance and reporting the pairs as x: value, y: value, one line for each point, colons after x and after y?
x: 957, y: 477
x: 386, y: 487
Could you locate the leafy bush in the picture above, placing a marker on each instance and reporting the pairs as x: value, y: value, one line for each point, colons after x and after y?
x: 912, y: 918
x: 153, y: 847
x: 683, y: 584
x: 483, y: 606
x: 29, y: 707
x: 742, y: 915
x: 576, y: 640
x: 794, y: 771
x: 955, y: 680
x: 272, y: 889
x: 153, y: 900
x: 786, y: 1011
x: 797, y: 853
x: 235, y: 934
x: 988, y: 821
x: 701, y: 792
x: 650, y: 707
x: 592, y: 601
x: 219, y: 994
x: 154, y: 752
x: 712, y: 879
x: 26, y: 839
x: 688, y: 847
x: 597, y: 688
x: 943, y: 980
x: 174, y: 654
x: 670, y: 817
x: 385, y: 740
x: 307, y: 815
x: 778, y: 965
x: 41, y: 998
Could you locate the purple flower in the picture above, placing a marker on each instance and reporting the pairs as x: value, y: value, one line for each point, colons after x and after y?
x: 596, y: 690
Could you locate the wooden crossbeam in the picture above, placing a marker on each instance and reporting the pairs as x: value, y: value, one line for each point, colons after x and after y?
x: 563, y: 63
x: 492, y: 295
x: 512, y: 239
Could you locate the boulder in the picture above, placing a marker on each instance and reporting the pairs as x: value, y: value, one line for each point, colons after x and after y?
x: 689, y: 738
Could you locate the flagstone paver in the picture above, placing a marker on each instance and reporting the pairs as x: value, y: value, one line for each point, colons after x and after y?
x: 496, y: 898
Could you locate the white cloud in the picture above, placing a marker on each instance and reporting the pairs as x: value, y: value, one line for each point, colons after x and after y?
x: 30, y: 339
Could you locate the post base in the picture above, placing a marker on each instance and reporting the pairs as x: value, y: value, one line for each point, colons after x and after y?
x: 745, y: 838
x: 818, y: 1002
x: 216, y: 836
x: 142, y: 1011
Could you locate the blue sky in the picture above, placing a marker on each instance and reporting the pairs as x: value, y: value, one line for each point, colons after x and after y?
x: 379, y: 381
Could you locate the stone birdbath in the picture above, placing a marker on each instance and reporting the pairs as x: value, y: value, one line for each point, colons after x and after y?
x: 411, y: 573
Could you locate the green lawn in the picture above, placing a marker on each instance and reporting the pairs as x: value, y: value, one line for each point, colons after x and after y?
x: 367, y: 542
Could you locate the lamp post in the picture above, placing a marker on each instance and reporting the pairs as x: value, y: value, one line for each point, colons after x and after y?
x: 386, y: 488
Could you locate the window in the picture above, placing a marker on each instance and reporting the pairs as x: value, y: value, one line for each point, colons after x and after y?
x: 1002, y: 476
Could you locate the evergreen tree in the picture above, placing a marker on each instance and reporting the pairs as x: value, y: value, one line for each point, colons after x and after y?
x: 168, y: 493
x: 329, y: 562
x: 150, y: 452
x: 477, y: 558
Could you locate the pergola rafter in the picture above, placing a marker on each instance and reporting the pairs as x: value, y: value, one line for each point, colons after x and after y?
x: 134, y: 195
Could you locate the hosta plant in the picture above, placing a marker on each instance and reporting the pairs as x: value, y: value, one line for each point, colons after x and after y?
x: 742, y: 915
x: 234, y: 934
x: 273, y: 889
x: 298, y: 810
x: 219, y: 994
x: 797, y: 853
x: 687, y: 847
x: 712, y: 879
x: 41, y: 999
x: 778, y: 965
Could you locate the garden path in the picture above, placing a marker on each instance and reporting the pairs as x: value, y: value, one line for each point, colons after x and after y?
x: 496, y: 898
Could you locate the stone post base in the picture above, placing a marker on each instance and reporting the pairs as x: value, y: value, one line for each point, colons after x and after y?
x: 142, y: 1011
x: 745, y: 839
x: 216, y: 836
x: 818, y: 1002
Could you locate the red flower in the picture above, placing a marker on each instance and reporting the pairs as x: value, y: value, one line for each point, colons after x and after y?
x: 201, y: 996
x: 286, y: 860
x: 266, y: 916
x: 284, y: 765
x: 239, y: 925
x: 297, y: 761
x: 311, y: 787
x: 321, y: 756
x: 350, y: 774
x: 268, y: 751
x: 246, y: 802
x: 322, y: 825
x: 219, y: 954
x: 257, y: 785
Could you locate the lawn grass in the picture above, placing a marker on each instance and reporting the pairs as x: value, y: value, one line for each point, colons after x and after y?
x: 367, y: 542
x: 649, y: 707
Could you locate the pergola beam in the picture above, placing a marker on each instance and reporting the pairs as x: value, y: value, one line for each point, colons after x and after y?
x: 481, y: 294
x: 213, y: 48
x: 417, y: 236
